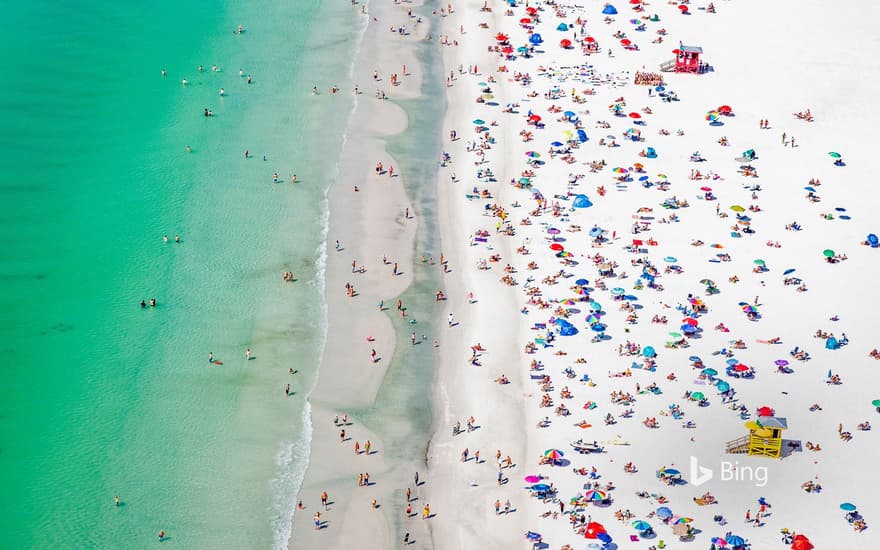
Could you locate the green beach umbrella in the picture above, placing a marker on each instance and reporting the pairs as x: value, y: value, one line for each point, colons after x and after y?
x: 828, y: 253
x: 675, y: 334
x: 759, y: 262
x: 876, y: 402
x: 710, y: 372
x: 723, y: 386
x: 697, y: 396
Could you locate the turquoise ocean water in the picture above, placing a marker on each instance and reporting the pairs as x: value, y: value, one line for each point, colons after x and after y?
x: 97, y: 396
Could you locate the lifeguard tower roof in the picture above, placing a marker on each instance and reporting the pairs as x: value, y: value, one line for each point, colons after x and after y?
x: 690, y: 49
x: 773, y: 422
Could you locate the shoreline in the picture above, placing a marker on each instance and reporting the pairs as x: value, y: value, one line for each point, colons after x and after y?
x: 369, y: 223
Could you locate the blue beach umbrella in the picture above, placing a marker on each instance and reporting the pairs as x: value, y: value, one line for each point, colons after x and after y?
x: 617, y: 291
x: 648, y: 351
x: 582, y: 282
x: 540, y: 487
x: 848, y: 507
x: 732, y: 361
x: 709, y: 372
x: 664, y: 512
x: 735, y: 540
x: 723, y: 386
x: 557, y: 144
x: 479, y: 121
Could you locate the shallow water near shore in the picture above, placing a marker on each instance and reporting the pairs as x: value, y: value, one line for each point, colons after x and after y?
x: 100, y: 397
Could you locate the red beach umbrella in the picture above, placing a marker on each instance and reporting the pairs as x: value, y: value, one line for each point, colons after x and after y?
x: 557, y: 247
x: 634, y: 2
x: 525, y: 21
x: 536, y: 118
x: 589, y: 39
x: 765, y: 411
x: 593, y: 529
x: 625, y: 42
x: 531, y: 11
x: 635, y: 115
x: 507, y: 49
x: 740, y: 367
x: 501, y: 37
x: 683, y: 8
x: 565, y: 43
x: 676, y: 51
x: 724, y: 109
x: 691, y: 321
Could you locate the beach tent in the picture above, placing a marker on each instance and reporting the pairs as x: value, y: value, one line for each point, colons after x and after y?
x: 581, y: 201
x: 651, y: 153
x: 609, y: 10
x: 582, y: 136
x: 832, y: 343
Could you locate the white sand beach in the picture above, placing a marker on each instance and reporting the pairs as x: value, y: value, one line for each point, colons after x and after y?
x: 648, y: 287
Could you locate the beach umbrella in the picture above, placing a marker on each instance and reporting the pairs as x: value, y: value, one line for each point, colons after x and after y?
x: 716, y: 245
x: 683, y: 520
x: 737, y: 208
x: 697, y: 396
x: 535, y: 39
x: 765, y: 411
x: 593, y: 529
x: 694, y: 358
x: 789, y: 271
x: 688, y: 329
x: 525, y: 21
x: 595, y: 306
x: 532, y: 479
x: 604, y: 537
x: 706, y: 189
x: 735, y: 540
x: 557, y: 247
x: 582, y: 282
x: 641, y: 525
x: 635, y: 115
x: 801, y: 542
x: 876, y: 402
x: 625, y: 42
x: 534, y: 117
x: 828, y: 253
x: 709, y: 282
x: 709, y: 371
x: 643, y: 178
x: 724, y: 109
x: 553, y: 454
x: 664, y: 512
x: 834, y: 155
x: 595, y: 494
x: 501, y: 37
x: 617, y: 291
x: 780, y: 362
x: 718, y: 541
x: 595, y: 232
x: 671, y: 472
x: 691, y: 321
x: 598, y: 327
x: 565, y: 43
x: 760, y: 262
x: 507, y: 49
x: 675, y: 334
x: 670, y: 259
x: 723, y: 386
x: 531, y: 535
x: 810, y: 189
x: 479, y: 121
x: 589, y: 39
x: 731, y: 362
x: 739, y: 367
x: 533, y: 154
x: 557, y: 144
x: 712, y: 116
x: 540, y: 487
x: 848, y: 507
x: 553, y: 231
x: 530, y: 10
x: 619, y: 170
x: 648, y: 351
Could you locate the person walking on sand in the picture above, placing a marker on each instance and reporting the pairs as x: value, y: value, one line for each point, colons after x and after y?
x: 450, y: 319
x: 426, y: 511
x: 408, y: 494
x: 497, y: 507
x: 408, y: 511
x: 287, y: 390
x: 247, y: 354
x: 413, y: 338
x: 324, y: 499
x: 357, y: 447
x: 367, y: 446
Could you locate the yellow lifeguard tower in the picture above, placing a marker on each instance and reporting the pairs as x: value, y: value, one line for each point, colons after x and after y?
x: 764, y: 439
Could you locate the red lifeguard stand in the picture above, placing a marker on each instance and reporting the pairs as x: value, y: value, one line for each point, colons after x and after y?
x: 687, y: 59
